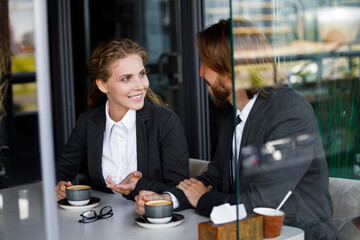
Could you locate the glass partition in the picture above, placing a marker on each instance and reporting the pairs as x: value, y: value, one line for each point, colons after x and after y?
x: 21, y: 203
x: 21, y: 14
x: 19, y: 115
x: 315, y: 46
x: 295, y: 86
x: 294, y: 82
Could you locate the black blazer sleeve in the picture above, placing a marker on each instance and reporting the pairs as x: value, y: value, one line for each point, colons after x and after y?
x: 69, y: 161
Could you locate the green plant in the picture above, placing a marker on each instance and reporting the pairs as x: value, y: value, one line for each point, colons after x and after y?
x: 4, y: 55
x: 3, y: 86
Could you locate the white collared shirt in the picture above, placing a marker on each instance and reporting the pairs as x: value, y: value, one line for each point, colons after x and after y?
x: 243, y: 114
x: 119, y: 156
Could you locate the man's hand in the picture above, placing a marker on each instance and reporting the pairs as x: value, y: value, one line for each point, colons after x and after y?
x: 126, y: 185
x: 145, y: 196
x: 193, y: 190
x: 60, y: 189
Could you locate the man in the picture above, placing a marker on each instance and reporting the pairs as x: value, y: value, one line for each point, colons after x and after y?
x: 276, y: 123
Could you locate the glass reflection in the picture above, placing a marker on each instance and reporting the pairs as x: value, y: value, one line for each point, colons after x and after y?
x: 22, y: 213
x: 315, y: 46
x: 280, y: 148
x: 23, y: 203
x: 1, y: 202
x: 21, y: 15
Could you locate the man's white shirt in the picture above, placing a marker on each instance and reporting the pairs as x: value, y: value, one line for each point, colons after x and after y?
x: 243, y: 114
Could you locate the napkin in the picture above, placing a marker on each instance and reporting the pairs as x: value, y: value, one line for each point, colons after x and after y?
x: 226, y: 213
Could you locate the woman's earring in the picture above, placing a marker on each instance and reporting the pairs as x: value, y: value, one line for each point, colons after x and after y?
x: 106, y: 92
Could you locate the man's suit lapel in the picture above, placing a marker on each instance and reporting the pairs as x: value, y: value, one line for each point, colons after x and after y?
x: 142, y: 116
x: 246, y: 138
x: 225, y: 140
x: 258, y: 105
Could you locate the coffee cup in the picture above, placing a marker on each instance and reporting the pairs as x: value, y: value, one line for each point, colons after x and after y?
x: 159, y: 211
x: 271, y: 224
x: 78, y: 195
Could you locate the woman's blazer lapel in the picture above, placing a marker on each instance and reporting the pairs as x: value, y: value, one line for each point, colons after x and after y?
x: 142, y: 116
x: 95, y: 137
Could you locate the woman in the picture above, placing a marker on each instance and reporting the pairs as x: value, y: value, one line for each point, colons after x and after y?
x: 128, y: 140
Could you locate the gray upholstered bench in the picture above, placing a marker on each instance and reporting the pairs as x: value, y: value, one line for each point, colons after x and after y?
x: 345, y: 194
x: 197, y: 167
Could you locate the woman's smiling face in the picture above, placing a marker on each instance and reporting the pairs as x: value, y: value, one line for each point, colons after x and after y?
x: 127, y: 86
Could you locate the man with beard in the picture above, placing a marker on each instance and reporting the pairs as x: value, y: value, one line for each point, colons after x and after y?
x: 267, y: 115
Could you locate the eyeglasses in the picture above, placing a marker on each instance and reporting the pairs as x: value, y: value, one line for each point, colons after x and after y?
x: 92, y: 216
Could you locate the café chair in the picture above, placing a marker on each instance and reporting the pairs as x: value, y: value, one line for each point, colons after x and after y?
x: 197, y: 167
x: 346, y: 204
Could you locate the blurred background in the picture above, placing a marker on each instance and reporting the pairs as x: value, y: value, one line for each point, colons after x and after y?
x: 316, y: 46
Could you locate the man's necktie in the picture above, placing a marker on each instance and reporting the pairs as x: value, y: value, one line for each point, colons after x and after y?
x: 238, y: 120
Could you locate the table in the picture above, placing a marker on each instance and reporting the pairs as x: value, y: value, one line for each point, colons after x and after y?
x: 290, y: 233
x: 22, y: 217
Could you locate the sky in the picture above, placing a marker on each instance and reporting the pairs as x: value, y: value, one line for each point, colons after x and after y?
x: 21, y: 13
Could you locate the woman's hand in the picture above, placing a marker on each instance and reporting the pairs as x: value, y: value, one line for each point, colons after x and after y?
x: 126, y: 185
x: 60, y: 189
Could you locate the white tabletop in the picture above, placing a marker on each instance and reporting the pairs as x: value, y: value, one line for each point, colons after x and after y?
x: 289, y: 233
x: 22, y: 217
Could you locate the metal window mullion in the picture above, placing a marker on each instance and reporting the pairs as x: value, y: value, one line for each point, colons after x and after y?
x: 66, y: 66
x: 195, y: 98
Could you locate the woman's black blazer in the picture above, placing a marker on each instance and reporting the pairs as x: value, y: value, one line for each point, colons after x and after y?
x: 162, y: 154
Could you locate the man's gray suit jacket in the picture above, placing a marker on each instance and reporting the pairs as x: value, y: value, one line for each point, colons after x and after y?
x: 283, y: 114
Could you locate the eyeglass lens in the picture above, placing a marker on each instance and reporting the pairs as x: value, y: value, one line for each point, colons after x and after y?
x: 106, y: 212
x: 88, y: 216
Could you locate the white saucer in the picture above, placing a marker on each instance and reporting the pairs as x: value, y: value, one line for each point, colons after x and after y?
x: 176, y: 220
x: 94, y: 201
x: 160, y: 220
x: 79, y: 203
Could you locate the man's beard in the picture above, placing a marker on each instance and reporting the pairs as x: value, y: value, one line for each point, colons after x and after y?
x: 221, y: 94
